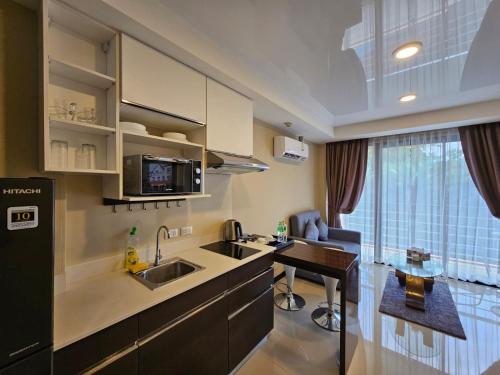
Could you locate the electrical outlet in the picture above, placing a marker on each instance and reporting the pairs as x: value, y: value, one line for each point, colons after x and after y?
x: 186, y: 231
x: 174, y: 232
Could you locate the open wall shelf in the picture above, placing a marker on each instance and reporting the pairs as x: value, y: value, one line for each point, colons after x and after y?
x: 81, y: 70
x: 79, y: 126
x: 82, y: 171
x: 132, y: 143
x: 81, y: 73
x: 152, y: 140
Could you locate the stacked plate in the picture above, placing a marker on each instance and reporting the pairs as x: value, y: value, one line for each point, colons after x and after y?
x: 176, y: 136
x: 133, y: 127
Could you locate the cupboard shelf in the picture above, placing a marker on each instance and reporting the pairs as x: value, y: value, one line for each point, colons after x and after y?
x: 79, y: 23
x: 82, y: 171
x: 137, y: 199
x: 82, y: 127
x: 152, y: 140
x: 80, y: 74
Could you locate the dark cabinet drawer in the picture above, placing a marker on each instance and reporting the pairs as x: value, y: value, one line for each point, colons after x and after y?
x: 36, y: 364
x: 249, y: 270
x: 126, y: 365
x: 249, y: 290
x: 248, y: 326
x: 160, y: 315
x: 194, y: 345
x: 86, y: 353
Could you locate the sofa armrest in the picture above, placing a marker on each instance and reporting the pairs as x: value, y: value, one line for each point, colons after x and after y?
x: 316, y: 243
x: 344, y: 235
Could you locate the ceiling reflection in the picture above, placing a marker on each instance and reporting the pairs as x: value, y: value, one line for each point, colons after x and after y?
x: 338, y: 54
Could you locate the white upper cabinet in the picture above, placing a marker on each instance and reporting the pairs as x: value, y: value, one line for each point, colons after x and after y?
x: 156, y: 81
x: 229, y: 120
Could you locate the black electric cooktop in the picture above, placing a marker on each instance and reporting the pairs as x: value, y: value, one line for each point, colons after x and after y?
x: 230, y: 249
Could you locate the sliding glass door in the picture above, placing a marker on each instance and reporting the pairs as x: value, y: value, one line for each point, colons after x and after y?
x: 418, y: 192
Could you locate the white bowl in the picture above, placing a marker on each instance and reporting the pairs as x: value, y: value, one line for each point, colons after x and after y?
x: 177, y: 136
x: 132, y: 126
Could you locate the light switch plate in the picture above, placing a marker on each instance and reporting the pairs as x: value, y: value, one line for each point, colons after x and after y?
x: 186, y: 231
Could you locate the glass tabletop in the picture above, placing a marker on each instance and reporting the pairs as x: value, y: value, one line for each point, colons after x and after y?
x: 426, y: 268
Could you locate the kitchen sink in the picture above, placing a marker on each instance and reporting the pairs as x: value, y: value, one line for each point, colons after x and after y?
x: 166, y: 272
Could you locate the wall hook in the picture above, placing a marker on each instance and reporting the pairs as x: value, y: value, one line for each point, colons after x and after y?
x: 144, y: 206
x: 156, y: 205
x: 114, y: 208
x: 129, y: 207
x: 168, y: 204
x: 178, y: 203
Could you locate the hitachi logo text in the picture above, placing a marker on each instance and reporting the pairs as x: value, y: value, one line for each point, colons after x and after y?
x: 22, y: 191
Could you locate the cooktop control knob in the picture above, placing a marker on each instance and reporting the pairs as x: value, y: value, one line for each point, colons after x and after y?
x: 197, y: 181
x: 197, y: 170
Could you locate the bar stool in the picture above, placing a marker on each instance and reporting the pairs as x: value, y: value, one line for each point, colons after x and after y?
x: 328, y: 317
x: 290, y: 301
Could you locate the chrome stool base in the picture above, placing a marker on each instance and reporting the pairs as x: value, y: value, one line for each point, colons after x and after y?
x: 289, y: 302
x: 324, y: 318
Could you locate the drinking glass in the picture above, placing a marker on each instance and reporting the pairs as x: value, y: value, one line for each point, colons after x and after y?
x: 86, y: 157
x: 59, y: 154
x: 87, y: 115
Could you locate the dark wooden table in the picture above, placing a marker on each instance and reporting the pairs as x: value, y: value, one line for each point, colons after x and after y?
x: 341, y: 265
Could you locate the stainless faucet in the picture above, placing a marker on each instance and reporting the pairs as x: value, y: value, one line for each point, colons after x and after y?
x: 158, y: 252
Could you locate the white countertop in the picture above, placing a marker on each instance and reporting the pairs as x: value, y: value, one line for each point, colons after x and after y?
x: 97, y: 303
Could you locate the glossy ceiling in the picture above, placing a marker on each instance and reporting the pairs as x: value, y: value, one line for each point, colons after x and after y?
x: 336, y: 55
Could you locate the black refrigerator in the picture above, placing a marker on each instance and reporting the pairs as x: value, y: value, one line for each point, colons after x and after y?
x: 26, y: 275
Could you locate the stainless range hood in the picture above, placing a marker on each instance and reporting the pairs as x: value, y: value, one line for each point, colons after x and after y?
x: 222, y: 163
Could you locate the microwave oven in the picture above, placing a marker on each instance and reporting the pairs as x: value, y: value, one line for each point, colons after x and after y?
x: 160, y: 175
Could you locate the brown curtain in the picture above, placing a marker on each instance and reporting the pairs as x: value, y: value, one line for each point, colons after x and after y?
x: 345, y: 177
x: 481, y: 146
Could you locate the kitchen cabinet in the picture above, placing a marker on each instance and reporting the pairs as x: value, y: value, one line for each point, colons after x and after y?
x: 208, y: 329
x: 86, y: 353
x: 196, y: 344
x: 159, y: 316
x: 152, y: 80
x: 229, y: 120
x: 250, y: 315
x: 79, y: 92
x: 249, y: 326
x: 126, y: 365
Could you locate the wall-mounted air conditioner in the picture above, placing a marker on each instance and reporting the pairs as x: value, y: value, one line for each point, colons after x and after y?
x: 286, y: 148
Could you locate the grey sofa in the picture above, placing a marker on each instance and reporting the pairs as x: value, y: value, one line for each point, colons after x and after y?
x: 346, y: 240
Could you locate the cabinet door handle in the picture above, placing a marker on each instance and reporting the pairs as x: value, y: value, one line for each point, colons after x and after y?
x: 138, y: 105
x: 181, y: 319
x: 239, y: 286
x: 109, y: 360
x: 244, y: 307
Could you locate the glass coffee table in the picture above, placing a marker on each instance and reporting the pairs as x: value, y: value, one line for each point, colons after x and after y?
x: 418, y: 277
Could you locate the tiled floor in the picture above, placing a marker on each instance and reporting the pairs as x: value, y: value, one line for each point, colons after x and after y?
x: 386, y: 345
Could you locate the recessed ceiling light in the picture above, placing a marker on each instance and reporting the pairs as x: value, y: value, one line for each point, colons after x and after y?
x: 407, y: 50
x: 407, y: 98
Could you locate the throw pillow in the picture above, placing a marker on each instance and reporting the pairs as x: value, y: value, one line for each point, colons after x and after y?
x: 311, y: 232
x: 322, y: 229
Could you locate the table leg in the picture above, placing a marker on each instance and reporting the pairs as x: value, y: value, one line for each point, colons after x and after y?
x: 343, y: 317
x: 352, y: 280
x: 415, y: 293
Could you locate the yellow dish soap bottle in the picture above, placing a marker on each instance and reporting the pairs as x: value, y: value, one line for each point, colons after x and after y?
x: 131, y: 258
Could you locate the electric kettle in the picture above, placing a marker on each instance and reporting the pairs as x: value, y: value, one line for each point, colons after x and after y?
x: 232, y: 230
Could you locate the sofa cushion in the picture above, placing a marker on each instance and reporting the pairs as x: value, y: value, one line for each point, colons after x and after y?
x: 323, y: 230
x: 312, y: 231
x: 299, y: 221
